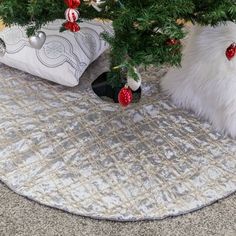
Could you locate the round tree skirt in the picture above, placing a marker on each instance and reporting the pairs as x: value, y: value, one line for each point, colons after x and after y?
x: 68, y: 149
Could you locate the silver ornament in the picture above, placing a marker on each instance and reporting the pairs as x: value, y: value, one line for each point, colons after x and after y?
x: 2, y: 48
x: 133, y: 84
x: 37, y: 41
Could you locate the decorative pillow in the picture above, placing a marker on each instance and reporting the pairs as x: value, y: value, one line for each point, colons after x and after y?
x: 64, y: 56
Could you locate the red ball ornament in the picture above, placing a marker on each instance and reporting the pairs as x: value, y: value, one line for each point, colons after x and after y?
x: 72, y: 3
x: 231, y: 51
x: 171, y: 42
x: 125, y: 96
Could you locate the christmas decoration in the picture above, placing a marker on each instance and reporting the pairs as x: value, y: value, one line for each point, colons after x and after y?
x: 231, y: 51
x: 134, y: 84
x: 72, y: 3
x: 125, y: 96
x: 72, y: 26
x: 37, y: 41
x: 72, y: 15
x: 145, y: 32
x: 172, y: 42
x: 2, y: 48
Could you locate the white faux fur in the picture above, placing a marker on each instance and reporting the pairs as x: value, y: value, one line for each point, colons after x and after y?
x: 206, y: 83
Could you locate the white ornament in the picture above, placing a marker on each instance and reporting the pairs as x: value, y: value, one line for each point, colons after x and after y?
x: 37, y: 41
x: 71, y: 15
x: 133, y: 84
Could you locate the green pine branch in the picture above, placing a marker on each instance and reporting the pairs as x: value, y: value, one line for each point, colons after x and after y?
x: 142, y: 27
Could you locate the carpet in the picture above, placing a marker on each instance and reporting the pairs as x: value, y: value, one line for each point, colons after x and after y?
x: 68, y: 149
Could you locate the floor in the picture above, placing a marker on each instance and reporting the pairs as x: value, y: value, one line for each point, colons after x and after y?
x: 22, y: 217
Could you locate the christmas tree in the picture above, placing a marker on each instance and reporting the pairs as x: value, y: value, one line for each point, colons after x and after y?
x: 145, y: 32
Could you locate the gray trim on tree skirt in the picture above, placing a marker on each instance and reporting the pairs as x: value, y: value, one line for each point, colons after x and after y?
x: 68, y: 149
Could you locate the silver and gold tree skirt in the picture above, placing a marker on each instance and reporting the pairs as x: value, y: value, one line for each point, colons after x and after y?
x: 68, y: 149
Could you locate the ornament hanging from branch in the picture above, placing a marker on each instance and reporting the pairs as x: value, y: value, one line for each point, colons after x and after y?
x: 72, y: 3
x: 72, y: 15
x: 37, y: 41
x: 172, y: 42
x: 231, y: 51
x: 125, y: 96
x: 132, y: 83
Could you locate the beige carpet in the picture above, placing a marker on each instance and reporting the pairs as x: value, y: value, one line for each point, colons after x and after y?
x: 21, y: 217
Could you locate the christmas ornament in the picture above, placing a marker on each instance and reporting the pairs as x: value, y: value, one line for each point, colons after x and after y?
x: 37, y: 41
x: 71, y: 15
x: 134, y: 84
x: 72, y: 3
x: 231, y: 51
x: 95, y: 4
x: 2, y: 48
x: 125, y: 96
x: 72, y: 26
x: 171, y: 42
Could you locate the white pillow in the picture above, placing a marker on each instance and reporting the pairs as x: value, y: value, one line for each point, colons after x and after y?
x: 64, y: 56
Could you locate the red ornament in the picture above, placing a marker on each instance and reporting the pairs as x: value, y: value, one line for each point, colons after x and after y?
x: 231, y: 51
x: 71, y: 14
x: 72, y: 26
x: 72, y: 3
x: 125, y: 96
x: 172, y: 42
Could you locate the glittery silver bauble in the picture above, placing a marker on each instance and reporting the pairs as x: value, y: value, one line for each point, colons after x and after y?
x: 37, y: 41
x: 2, y: 48
x: 133, y: 84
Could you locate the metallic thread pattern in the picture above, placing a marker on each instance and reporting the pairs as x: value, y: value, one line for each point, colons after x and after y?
x: 66, y: 148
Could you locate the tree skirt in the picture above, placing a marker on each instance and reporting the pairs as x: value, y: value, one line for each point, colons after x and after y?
x: 68, y: 149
